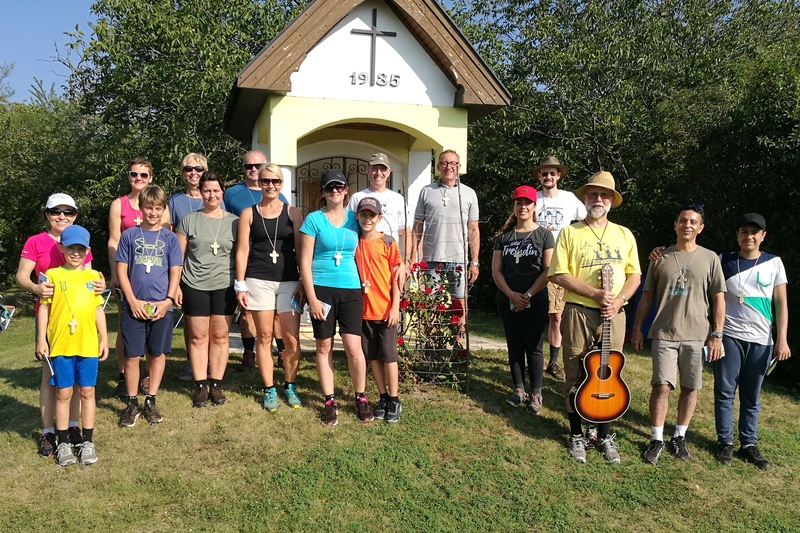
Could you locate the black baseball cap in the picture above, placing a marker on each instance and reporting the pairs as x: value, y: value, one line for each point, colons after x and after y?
x: 368, y: 203
x: 753, y: 218
x: 332, y: 175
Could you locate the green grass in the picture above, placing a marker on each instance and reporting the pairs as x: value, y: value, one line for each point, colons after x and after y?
x: 453, y: 463
x: 487, y: 325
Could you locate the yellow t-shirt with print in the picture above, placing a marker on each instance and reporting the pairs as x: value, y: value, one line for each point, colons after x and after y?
x: 578, y: 253
x: 73, y: 297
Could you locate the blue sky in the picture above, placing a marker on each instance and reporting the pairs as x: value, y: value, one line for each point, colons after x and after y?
x: 28, y: 31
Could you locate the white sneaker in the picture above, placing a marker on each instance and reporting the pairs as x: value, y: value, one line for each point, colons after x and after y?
x: 577, y: 449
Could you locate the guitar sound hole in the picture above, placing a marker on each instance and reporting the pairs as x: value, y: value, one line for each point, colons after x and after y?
x: 603, y: 372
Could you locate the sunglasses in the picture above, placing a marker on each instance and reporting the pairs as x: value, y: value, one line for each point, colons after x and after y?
x: 274, y: 181
x: 329, y: 188
x: 196, y: 169
x: 253, y: 166
x: 550, y: 173
x: 65, y: 212
x: 143, y: 175
x: 693, y: 207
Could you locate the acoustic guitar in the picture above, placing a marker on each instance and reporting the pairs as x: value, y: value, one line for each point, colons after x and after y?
x: 601, y: 394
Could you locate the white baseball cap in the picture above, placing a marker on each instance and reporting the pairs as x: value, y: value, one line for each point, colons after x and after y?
x: 60, y: 199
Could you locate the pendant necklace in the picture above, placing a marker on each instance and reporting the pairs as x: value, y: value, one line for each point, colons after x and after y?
x: 274, y: 254
x: 600, y: 238
x: 338, y: 255
x: 518, y: 252
x: 445, y: 193
x: 366, y: 283
x: 73, y: 324
x: 138, y: 220
x: 215, y: 245
x: 739, y: 275
x: 148, y: 262
x: 681, y: 279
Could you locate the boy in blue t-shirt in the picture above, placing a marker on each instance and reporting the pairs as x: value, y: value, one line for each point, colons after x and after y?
x: 149, y: 263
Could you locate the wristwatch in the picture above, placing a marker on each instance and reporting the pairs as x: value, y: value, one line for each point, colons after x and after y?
x: 529, y: 295
x: 717, y: 334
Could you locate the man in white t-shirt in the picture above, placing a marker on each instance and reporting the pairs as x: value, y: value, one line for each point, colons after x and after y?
x: 555, y: 210
x: 395, y: 219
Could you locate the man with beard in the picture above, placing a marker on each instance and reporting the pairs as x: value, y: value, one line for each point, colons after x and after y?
x: 582, y: 250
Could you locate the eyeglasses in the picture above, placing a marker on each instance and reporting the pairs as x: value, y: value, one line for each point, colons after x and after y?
x: 253, y: 166
x: 196, y: 169
x: 604, y: 195
x: 550, y: 173
x: 329, y: 188
x: 446, y: 164
x: 143, y: 175
x: 693, y: 207
x: 66, y: 212
x: 276, y: 182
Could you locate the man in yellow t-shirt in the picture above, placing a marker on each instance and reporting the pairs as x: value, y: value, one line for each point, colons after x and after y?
x: 72, y: 333
x: 581, y: 251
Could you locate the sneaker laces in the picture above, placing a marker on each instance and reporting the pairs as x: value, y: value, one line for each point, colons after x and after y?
x: 611, y: 442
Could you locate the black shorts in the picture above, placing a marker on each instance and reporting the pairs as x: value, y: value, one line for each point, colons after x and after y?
x: 346, y: 308
x: 378, y: 341
x: 207, y: 303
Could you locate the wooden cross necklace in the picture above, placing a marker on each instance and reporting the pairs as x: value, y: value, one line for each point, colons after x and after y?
x: 600, y: 238
x: 138, y: 220
x: 739, y: 274
x: 148, y: 262
x: 215, y: 245
x: 274, y: 254
x: 338, y: 255
x: 445, y: 196
x: 73, y: 323
x: 366, y: 283
x: 518, y: 252
x: 681, y: 279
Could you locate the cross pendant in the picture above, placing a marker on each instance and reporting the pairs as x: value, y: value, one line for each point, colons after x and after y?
x: 274, y: 255
x: 215, y: 247
x: 600, y: 244
x: 446, y: 200
x: 741, y: 297
x: 72, y: 325
x: 147, y: 264
x: 137, y: 220
x: 338, y: 256
x: 682, y: 281
x: 366, y: 286
x: 517, y: 255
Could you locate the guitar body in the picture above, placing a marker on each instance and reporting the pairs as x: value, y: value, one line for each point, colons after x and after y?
x: 602, y: 396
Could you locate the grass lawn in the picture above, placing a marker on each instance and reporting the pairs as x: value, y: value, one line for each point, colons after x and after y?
x: 453, y: 463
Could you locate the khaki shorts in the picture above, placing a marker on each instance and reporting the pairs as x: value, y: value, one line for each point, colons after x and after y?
x: 671, y: 357
x: 580, y: 326
x: 555, y: 293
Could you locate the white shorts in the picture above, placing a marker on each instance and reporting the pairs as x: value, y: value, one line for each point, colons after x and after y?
x: 265, y: 295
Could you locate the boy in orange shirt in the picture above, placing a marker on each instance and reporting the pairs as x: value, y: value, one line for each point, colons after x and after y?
x: 378, y: 258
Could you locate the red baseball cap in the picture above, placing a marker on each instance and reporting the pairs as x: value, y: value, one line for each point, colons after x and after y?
x: 525, y: 191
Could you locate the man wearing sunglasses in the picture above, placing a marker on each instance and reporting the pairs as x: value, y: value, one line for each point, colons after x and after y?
x: 689, y: 285
x: 555, y: 210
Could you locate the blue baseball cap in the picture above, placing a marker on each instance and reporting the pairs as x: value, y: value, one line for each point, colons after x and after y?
x: 75, y: 235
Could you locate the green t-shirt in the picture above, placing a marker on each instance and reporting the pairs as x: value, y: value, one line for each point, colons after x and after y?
x: 203, y: 269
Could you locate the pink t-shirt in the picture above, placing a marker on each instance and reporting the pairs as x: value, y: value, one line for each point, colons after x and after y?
x: 43, y: 251
x: 128, y: 214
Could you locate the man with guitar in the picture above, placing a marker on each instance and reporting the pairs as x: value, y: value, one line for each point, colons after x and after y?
x: 688, y: 281
x: 583, y: 250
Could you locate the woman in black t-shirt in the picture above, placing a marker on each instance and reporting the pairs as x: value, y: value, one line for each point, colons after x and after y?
x: 520, y: 259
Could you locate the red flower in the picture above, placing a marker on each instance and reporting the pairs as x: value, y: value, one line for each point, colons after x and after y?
x: 423, y: 265
x: 404, y: 303
x: 442, y: 308
x: 414, y: 267
x: 459, y: 268
x: 400, y: 341
x: 428, y: 290
x: 454, y: 319
x: 439, y: 267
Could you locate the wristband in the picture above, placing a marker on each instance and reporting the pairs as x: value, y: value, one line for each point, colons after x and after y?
x: 624, y: 299
x: 474, y: 263
x: 240, y: 286
x: 171, y: 299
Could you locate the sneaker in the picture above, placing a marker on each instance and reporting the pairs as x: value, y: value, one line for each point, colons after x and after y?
x: 363, y: 410
x: 679, y: 449
x: 200, y: 396
x: 393, y: 411
x: 151, y: 413
x: 517, y: 398
x: 186, y: 372
x: 64, y: 455
x: 248, y: 361
x: 121, y: 390
x: 610, y: 448
x: 591, y: 437
x: 292, y: 398
x: 577, y: 449
x: 330, y: 413
x: 725, y: 453
x: 88, y: 454
x: 653, y: 452
x: 280, y: 359
x: 217, y: 396
x: 554, y: 370
x: 271, y: 399
x: 129, y: 416
x: 535, y: 405
x: 752, y: 454
x: 380, y: 408
x: 47, y: 445
x: 144, y: 386
x: 75, y: 437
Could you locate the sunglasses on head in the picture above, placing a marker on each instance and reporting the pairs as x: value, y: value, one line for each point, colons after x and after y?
x: 693, y: 207
x: 143, y: 175
x: 329, y: 188
x: 253, y: 166
x: 196, y: 169
x: 274, y: 181
x: 66, y: 212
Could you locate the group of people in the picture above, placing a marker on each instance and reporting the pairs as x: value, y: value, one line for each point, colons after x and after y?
x: 210, y: 250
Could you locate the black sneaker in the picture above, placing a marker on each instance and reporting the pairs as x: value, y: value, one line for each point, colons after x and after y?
x: 752, y: 454
x: 200, y: 395
x: 380, y: 409
x: 129, y: 416
x: 679, y: 449
x: 121, y: 391
x: 653, y: 452
x: 554, y: 370
x: 363, y: 410
x: 75, y: 437
x: 393, y: 411
x: 725, y: 453
x: 248, y: 361
x: 330, y: 413
x: 151, y: 413
x: 47, y: 445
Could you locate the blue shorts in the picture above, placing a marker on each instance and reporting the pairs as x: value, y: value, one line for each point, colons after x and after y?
x: 69, y: 369
x: 145, y: 336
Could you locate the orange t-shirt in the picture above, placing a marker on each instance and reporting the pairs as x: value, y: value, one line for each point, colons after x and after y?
x: 376, y: 260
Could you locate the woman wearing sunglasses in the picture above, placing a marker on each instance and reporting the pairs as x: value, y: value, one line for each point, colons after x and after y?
x: 124, y: 214
x: 40, y: 254
x: 183, y: 203
x: 328, y: 241
x: 268, y: 278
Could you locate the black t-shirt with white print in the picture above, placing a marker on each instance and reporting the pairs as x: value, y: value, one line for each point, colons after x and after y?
x: 523, y: 253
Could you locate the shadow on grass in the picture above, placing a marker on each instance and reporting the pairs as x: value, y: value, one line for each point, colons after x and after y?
x: 17, y: 417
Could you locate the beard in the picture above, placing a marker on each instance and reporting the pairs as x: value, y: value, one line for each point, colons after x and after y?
x: 597, y: 211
